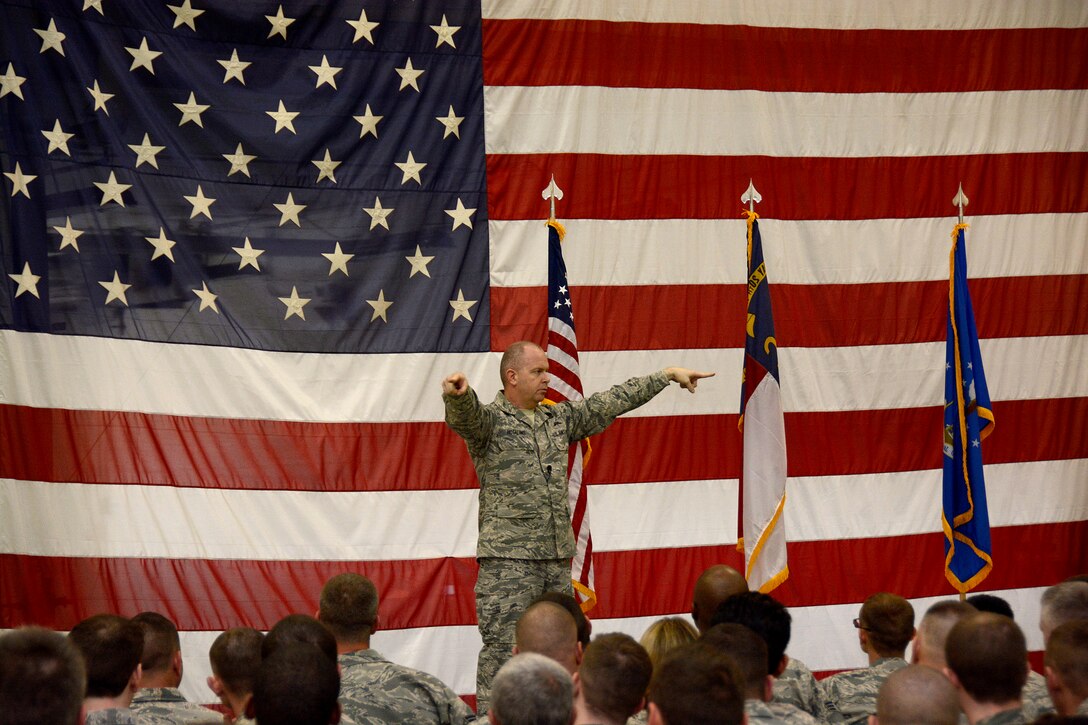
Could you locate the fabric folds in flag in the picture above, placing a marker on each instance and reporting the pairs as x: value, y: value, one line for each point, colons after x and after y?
x: 763, y: 471
x: 968, y: 420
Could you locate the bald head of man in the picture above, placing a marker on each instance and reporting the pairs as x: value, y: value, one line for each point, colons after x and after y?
x: 916, y: 695
x: 548, y: 629
x: 713, y: 587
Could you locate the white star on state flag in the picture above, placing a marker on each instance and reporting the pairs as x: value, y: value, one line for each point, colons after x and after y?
x: 234, y: 67
x: 185, y: 14
x: 191, y: 110
x: 409, y: 76
x: 289, y: 211
x: 239, y: 161
x: 58, y: 139
x: 325, y: 73
x: 461, y: 215
x: 381, y: 306
x: 163, y: 246
x: 410, y: 168
x: 27, y: 281
x: 51, y: 38
x: 461, y: 307
x: 369, y: 122
x: 96, y: 4
x: 201, y: 204
x: 445, y: 33
x: 249, y: 256
x: 100, y: 98
x: 116, y: 290
x: 295, y: 304
x: 68, y: 235
x: 419, y: 264
x: 283, y: 118
x: 326, y: 167
x: 363, y: 28
x: 207, y: 299
x: 19, y: 181
x: 279, y: 23
x: 146, y: 152
x: 451, y: 122
x: 378, y: 214
x: 10, y: 82
x: 143, y: 57
x: 337, y: 260
x: 111, y: 190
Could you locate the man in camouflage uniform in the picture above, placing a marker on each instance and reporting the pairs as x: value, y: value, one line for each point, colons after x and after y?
x: 373, y: 689
x: 885, y: 628
x: 159, y: 701
x: 917, y: 694
x: 41, y: 678
x: 235, y: 658
x: 610, y: 686
x: 519, y: 449
x: 1067, y: 667
x: 988, y: 665
x: 111, y: 647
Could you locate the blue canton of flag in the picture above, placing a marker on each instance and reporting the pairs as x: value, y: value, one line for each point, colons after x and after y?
x: 968, y: 419
x: 307, y: 176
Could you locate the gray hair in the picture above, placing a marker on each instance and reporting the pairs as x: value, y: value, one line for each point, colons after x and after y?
x: 1063, y: 603
x: 531, y: 689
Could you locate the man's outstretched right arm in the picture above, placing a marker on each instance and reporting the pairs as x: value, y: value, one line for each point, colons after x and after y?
x: 464, y: 413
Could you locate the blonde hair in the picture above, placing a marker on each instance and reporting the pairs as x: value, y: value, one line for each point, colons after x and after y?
x: 666, y: 634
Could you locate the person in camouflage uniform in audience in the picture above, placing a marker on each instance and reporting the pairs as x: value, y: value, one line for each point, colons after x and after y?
x: 988, y: 665
x: 519, y: 449
x: 917, y: 695
x: 159, y: 701
x: 235, y: 657
x: 373, y: 689
x: 885, y: 628
x: 111, y: 647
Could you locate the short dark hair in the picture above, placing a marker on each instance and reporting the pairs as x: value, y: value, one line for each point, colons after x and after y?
x: 571, y: 604
x: 889, y: 621
x: 748, y: 651
x: 296, y: 685
x: 296, y: 628
x: 349, y: 607
x: 988, y: 654
x: 111, y: 646
x: 696, y: 684
x: 991, y: 603
x: 762, y: 614
x: 614, y: 673
x: 1067, y: 655
x: 161, y: 641
x: 235, y: 657
x: 41, y: 678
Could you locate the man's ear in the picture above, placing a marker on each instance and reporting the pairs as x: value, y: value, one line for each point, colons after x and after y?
x: 655, y: 718
x: 135, y: 678
x: 215, y: 685
x: 335, y: 718
x: 577, y: 685
x: 578, y: 654
x: 177, y: 664
x: 952, y: 677
x: 768, y: 688
x: 873, y: 720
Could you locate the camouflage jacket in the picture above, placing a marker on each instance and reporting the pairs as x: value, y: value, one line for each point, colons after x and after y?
x: 374, y: 690
x: 850, y: 697
x: 167, y: 706
x: 776, y: 712
x: 797, y: 686
x: 522, y: 463
x: 1035, y: 698
x: 111, y: 716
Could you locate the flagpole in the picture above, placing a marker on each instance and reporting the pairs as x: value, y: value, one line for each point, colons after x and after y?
x: 751, y: 197
x: 960, y: 200
x: 551, y: 193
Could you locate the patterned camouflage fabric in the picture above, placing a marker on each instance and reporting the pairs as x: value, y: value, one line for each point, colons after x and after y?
x: 167, y: 706
x: 639, y: 718
x: 1007, y: 717
x: 111, y: 716
x: 797, y: 686
x: 1035, y: 698
x: 776, y: 712
x: 1082, y: 709
x: 374, y: 690
x: 850, y: 697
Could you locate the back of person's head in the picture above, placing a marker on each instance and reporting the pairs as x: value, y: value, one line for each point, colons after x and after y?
x: 1067, y: 657
x: 933, y: 630
x: 714, y: 586
x: 991, y: 603
x: 765, y: 616
x: 1063, y: 603
x: 531, y: 689
x: 296, y: 684
x: 549, y: 629
x: 749, y: 653
x: 888, y: 620
x: 988, y: 655
x: 161, y: 642
x: 697, y: 684
x: 614, y: 675
x: 571, y: 605
x: 299, y: 628
x: 917, y: 695
x: 235, y: 657
x: 41, y: 678
x: 665, y: 634
x: 349, y: 607
x: 111, y: 648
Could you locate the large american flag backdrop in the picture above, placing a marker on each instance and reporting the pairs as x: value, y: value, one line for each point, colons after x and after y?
x: 209, y: 407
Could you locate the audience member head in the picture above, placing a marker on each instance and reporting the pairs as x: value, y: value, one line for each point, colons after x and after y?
x: 161, y: 658
x: 531, y: 689
x: 1067, y: 666
x: 235, y: 657
x: 748, y: 651
x: 696, y: 684
x: 987, y: 658
x: 713, y: 587
x: 917, y: 695
x: 1063, y: 603
x: 933, y: 631
x: 765, y: 616
x: 585, y: 627
x: 41, y: 678
x: 666, y: 634
x: 612, y: 681
x: 548, y: 629
x: 111, y: 647
x: 297, y: 684
x: 299, y: 628
x: 349, y: 608
x: 991, y: 603
x: 885, y: 625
